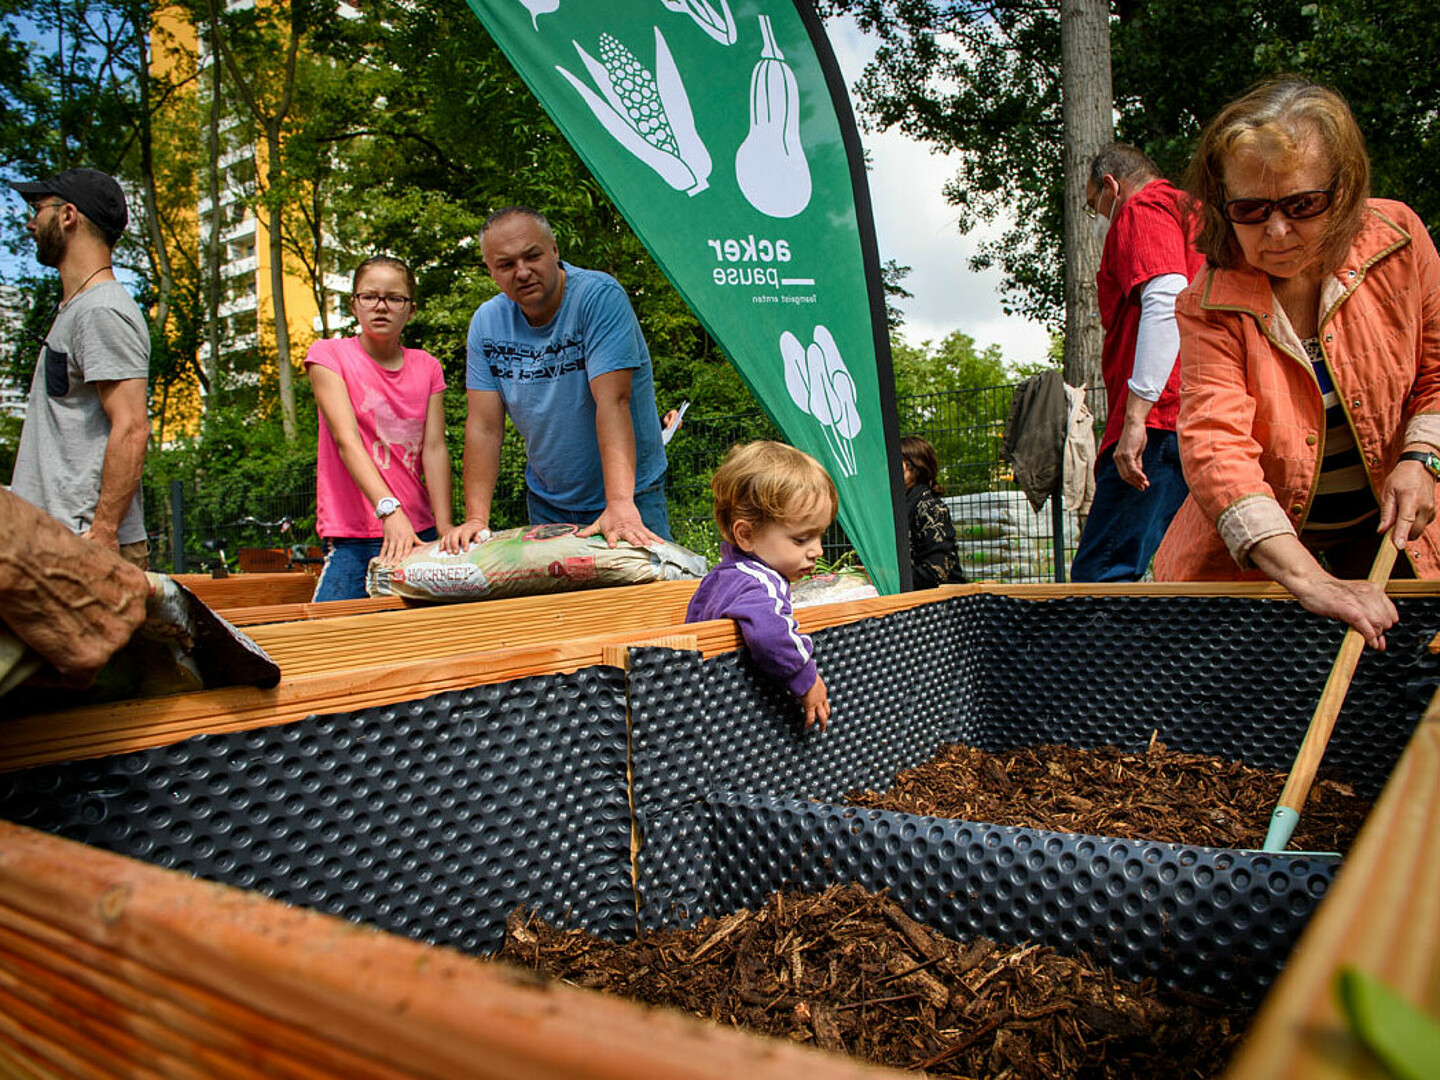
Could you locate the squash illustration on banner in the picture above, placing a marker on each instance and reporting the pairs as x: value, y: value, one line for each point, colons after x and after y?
x: 770, y: 165
x: 538, y: 8
x: 720, y: 25
x: 821, y: 385
x: 649, y: 115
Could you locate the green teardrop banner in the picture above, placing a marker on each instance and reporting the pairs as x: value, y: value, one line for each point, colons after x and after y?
x: 723, y: 132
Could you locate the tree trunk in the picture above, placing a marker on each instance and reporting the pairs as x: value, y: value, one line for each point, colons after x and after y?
x: 160, y: 419
x: 1087, y: 111
x: 63, y: 155
x: 212, y: 243
x: 276, y: 242
x: 272, y: 122
x: 159, y: 251
x: 317, y: 241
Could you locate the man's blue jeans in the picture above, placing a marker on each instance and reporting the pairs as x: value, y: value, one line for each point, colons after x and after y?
x: 346, y: 560
x: 654, y: 511
x: 1125, y: 526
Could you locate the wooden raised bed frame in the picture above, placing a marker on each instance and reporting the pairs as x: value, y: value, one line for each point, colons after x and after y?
x: 112, y: 967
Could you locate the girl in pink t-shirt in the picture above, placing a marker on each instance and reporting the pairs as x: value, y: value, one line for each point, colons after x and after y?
x: 383, y: 470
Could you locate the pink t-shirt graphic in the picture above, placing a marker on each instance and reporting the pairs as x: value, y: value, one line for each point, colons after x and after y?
x: 390, y: 411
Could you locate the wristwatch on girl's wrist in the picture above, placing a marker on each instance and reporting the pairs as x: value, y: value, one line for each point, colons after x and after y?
x: 386, y: 506
x: 1428, y: 458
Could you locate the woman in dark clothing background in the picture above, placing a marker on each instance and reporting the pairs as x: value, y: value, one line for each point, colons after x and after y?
x: 934, y: 558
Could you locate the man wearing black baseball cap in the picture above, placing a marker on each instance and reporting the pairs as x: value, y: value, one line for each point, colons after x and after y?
x: 82, y: 449
x: 95, y: 194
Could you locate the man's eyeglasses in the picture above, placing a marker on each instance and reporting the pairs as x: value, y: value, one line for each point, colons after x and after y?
x: 1093, y: 209
x: 33, y: 211
x: 372, y: 300
x: 1298, y: 207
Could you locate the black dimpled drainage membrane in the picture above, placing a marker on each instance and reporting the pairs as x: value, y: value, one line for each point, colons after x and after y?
x: 1213, y: 921
x: 433, y: 819
x: 1230, y: 677
x: 1235, y: 678
x: 437, y: 817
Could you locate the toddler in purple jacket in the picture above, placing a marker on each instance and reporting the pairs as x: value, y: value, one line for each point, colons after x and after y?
x: 773, y: 504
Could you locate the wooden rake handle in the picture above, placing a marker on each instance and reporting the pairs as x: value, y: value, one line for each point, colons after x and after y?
x: 1322, y: 723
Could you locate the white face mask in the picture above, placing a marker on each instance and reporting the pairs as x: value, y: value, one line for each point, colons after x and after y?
x: 1099, y: 226
x: 1100, y: 223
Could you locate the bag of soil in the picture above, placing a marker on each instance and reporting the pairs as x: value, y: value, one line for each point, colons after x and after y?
x: 529, y: 562
x: 851, y: 583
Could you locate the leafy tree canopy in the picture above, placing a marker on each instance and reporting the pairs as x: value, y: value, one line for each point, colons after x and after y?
x: 982, y: 78
x: 950, y: 364
x: 405, y: 127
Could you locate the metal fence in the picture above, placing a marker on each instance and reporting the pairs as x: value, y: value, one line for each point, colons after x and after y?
x: 1001, y: 536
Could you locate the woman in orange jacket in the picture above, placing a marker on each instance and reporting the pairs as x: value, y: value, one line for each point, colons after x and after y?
x: 1310, y: 364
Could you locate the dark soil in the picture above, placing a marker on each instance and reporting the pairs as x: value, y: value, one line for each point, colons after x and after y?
x: 1154, y: 794
x: 849, y: 971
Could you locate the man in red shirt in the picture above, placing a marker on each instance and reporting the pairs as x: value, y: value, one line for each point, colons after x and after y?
x: 1146, y: 259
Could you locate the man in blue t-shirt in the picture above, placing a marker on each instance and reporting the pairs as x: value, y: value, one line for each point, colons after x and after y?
x: 561, y: 351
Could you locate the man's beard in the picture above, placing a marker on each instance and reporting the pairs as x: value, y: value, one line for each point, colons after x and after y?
x: 50, y: 243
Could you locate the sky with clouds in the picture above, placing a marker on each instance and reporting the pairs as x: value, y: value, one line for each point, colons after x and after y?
x: 915, y: 226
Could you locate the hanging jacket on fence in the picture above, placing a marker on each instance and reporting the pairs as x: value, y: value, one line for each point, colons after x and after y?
x: 1079, y: 454
x: 1035, y: 435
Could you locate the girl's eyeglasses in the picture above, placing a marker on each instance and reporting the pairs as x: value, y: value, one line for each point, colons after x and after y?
x: 370, y: 299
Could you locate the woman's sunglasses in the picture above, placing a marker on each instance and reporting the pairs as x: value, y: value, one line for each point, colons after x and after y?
x: 1297, y: 207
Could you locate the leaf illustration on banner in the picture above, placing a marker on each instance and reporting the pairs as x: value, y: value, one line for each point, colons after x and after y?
x: 797, y: 377
x: 770, y: 165
x: 821, y: 385
x: 720, y: 25
x: 538, y: 8
x: 649, y: 115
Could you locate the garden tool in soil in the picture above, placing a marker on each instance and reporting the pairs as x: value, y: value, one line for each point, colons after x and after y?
x: 1322, y: 723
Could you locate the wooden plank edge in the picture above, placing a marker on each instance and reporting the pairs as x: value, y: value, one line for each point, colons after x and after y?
x: 537, y: 611
x: 39, y: 1020
x: 173, y: 1010
x: 245, y: 590
x: 546, y: 605
x: 496, y: 624
x: 99, y: 988
x: 1381, y: 916
x: 264, y: 614
x: 264, y: 611
x: 122, y: 727
x: 417, y: 1010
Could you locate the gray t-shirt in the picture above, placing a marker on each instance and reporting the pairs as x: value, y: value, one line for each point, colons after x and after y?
x: 99, y: 336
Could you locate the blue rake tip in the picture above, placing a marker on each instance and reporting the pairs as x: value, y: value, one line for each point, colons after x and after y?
x: 1282, y: 827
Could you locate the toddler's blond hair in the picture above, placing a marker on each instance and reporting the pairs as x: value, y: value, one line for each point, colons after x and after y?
x: 765, y: 481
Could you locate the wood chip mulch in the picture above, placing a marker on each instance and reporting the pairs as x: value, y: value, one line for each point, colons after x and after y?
x: 848, y: 971
x: 1154, y: 794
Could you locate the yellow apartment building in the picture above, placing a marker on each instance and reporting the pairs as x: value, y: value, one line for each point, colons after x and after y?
x: 247, y: 353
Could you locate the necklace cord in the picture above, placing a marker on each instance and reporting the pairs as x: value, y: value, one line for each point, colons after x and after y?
x: 81, y: 287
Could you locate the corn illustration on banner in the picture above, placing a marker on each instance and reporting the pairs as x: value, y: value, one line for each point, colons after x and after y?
x: 723, y: 132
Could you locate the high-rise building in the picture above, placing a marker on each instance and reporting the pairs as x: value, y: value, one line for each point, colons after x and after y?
x: 247, y: 350
x: 12, y: 393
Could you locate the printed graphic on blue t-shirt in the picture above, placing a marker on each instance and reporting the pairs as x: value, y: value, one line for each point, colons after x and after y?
x: 520, y: 363
x: 543, y: 373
